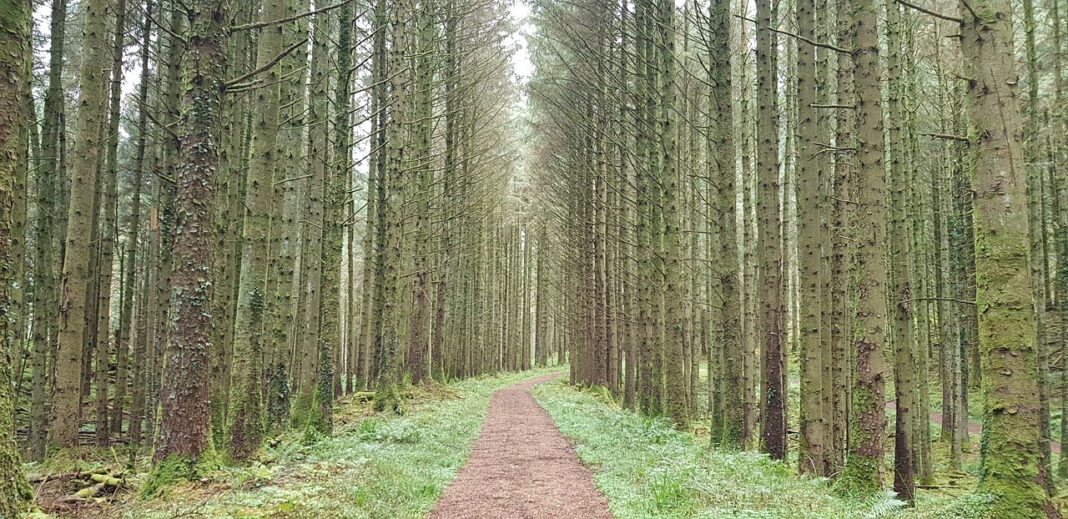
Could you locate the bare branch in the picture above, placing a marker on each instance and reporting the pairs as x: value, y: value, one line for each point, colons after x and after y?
x: 268, y: 23
x: 266, y: 66
x: 947, y: 137
x: 930, y: 12
x: 802, y: 38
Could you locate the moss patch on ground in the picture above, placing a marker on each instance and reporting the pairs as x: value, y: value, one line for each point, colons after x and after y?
x: 648, y: 469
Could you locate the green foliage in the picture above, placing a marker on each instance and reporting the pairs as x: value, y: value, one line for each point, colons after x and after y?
x: 312, y: 435
x: 883, y: 504
x: 669, y: 495
x: 397, y: 431
x: 646, y: 468
x: 856, y: 480
x: 967, y: 506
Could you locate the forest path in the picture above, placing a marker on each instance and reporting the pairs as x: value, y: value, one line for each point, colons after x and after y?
x: 976, y: 428
x: 521, y: 467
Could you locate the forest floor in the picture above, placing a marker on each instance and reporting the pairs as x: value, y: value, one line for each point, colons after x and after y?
x: 647, y: 468
x: 515, y: 445
x: 377, y: 465
x: 521, y: 467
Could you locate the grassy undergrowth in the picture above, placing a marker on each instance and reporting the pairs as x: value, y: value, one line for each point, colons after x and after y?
x: 648, y: 469
x: 375, y: 466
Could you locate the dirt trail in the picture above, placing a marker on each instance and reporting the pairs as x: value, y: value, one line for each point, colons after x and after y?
x: 521, y: 467
x: 976, y: 428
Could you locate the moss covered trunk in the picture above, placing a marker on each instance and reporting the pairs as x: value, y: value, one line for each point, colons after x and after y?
x: 245, y: 414
x: 1011, y: 416
x: 88, y: 146
x: 184, y: 393
x: 863, y: 470
x: 15, y: 51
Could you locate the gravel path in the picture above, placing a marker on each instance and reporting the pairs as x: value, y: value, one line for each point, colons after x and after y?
x: 521, y: 467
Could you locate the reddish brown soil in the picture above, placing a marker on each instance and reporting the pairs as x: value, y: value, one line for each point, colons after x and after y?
x: 976, y: 428
x: 521, y: 467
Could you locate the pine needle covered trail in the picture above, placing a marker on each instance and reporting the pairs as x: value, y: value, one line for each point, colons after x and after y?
x: 521, y: 467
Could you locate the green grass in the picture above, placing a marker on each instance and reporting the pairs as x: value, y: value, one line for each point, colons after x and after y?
x: 376, y: 466
x: 648, y: 469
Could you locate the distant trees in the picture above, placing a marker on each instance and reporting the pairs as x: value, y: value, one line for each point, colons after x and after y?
x: 239, y: 227
x: 828, y: 224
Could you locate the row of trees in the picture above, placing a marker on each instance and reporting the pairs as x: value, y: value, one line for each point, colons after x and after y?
x: 836, y: 193
x: 288, y: 202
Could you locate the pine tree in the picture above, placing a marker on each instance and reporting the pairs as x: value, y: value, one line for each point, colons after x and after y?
x: 773, y: 433
x: 246, y: 410
x: 863, y: 469
x: 88, y: 145
x: 15, y: 55
x: 184, y: 427
x: 1010, y: 454
x: 48, y: 184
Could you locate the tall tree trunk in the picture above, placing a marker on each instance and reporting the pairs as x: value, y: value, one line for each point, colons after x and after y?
x: 1010, y: 453
x: 108, y: 229
x: 48, y: 182
x: 863, y: 470
x: 843, y: 212
x: 184, y: 428
x: 773, y: 434
x: 245, y: 415
x: 290, y: 367
x: 419, y: 324
x: 133, y: 234
x: 399, y: 159
x: 900, y: 289
x: 811, y: 456
x: 15, y: 58
x: 311, y: 399
x: 722, y: 162
x: 1036, y: 234
x: 88, y: 146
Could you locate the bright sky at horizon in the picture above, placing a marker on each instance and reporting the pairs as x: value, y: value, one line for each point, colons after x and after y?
x: 524, y: 27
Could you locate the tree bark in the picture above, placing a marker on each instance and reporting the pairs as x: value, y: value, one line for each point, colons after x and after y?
x: 1010, y: 453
